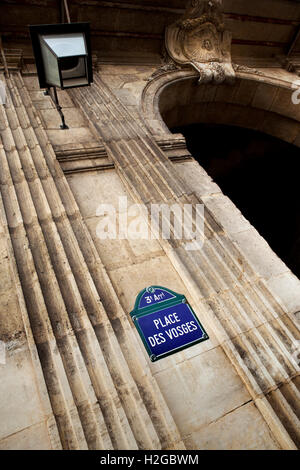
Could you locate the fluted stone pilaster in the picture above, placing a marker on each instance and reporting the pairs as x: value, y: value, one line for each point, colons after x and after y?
x: 102, y: 397
x: 256, y: 332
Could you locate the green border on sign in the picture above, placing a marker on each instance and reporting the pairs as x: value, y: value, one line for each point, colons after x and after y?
x: 178, y: 298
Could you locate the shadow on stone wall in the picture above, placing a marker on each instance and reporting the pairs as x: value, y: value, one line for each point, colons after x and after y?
x: 260, y: 174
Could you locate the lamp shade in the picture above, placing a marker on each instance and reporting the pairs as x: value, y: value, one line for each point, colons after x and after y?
x: 63, y: 54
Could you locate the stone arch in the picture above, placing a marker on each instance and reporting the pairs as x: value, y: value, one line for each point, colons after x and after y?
x: 174, y: 98
x: 255, y: 101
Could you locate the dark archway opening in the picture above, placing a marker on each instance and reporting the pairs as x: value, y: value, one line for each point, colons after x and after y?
x: 260, y: 174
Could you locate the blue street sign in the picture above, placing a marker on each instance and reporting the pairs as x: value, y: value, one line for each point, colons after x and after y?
x: 166, y: 322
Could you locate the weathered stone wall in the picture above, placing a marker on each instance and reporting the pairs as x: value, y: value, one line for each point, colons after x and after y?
x: 89, y: 365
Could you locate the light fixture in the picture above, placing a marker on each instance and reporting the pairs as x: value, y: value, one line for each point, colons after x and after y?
x: 63, y: 57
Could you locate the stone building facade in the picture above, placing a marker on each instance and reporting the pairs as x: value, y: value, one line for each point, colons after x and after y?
x: 74, y: 373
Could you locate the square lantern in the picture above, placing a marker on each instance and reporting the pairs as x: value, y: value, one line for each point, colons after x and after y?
x: 62, y: 54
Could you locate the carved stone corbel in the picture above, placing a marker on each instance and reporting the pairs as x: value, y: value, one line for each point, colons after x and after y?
x: 200, y: 39
x: 292, y: 63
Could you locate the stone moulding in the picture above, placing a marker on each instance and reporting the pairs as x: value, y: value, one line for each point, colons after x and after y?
x: 200, y: 39
x: 149, y: 106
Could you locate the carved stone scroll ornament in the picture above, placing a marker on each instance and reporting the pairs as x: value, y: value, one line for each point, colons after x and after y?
x: 200, y: 39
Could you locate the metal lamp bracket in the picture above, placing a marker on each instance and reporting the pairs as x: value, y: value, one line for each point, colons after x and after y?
x: 54, y: 98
